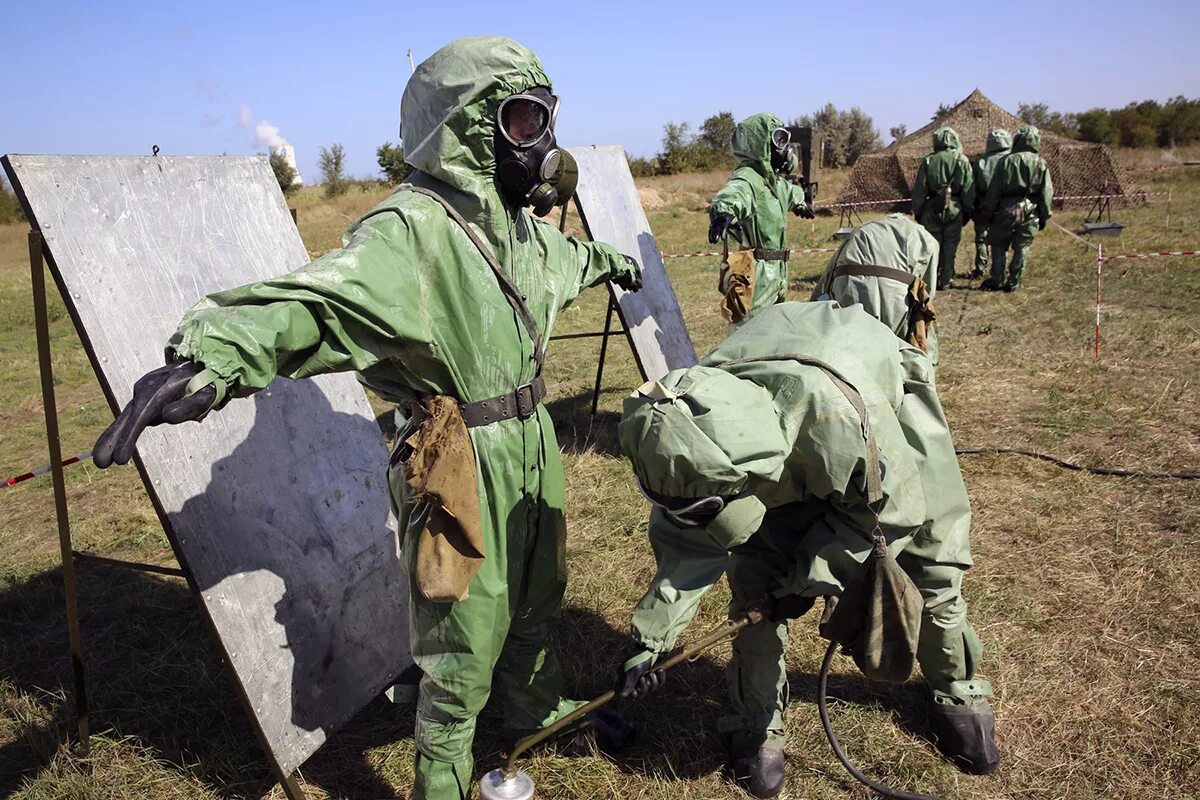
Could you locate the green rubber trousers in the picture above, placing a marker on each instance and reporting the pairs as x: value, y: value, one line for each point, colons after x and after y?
x: 1020, y: 241
x: 948, y: 235
x: 501, y: 630
x: 948, y: 650
x: 983, y: 250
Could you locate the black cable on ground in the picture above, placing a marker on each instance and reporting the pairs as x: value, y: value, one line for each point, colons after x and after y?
x: 823, y: 710
x: 1121, y: 473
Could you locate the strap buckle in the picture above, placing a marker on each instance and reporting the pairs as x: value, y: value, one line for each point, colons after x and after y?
x: 527, y: 401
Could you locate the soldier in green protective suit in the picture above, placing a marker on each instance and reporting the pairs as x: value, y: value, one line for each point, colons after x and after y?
x: 755, y: 464
x: 753, y: 205
x: 889, y: 267
x: 1018, y: 206
x: 411, y: 303
x: 944, y: 198
x: 999, y: 143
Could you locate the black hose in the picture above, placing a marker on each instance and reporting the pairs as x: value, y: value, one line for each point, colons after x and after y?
x: 823, y: 710
x: 1122, y: 473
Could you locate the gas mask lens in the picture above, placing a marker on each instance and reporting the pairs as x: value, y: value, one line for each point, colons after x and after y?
x: 525, y: 118
x: 780, y: 138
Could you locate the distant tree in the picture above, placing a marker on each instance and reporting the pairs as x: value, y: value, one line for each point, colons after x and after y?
x: 332, y: 163
x: 676, y: 141
x: 285, y: 173
x: 642, y: 167
x: 943, y: 111
x: 10, y: 207
x: 1034, y: 113
x: 717, y: 132
x: 391, y: 163
x: 1180, y: 122
x: 862, y: 135
x: 1096, y: 125
x: 899, y: 132
x: 1133, y: 129
x: 1040, y: 115
x: 847, y: 134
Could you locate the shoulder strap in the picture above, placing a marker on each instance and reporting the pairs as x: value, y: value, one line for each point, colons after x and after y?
x: 506, y: 285
x: 874, y: 271
x: 874, y: 473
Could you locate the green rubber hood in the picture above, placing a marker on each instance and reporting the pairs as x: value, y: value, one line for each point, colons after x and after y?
x: 1028, y: 140
x: 752, y: 142
x: 999, y: 140
x: 700, y: 432
x: 448, y: 111
x: 946, y: 139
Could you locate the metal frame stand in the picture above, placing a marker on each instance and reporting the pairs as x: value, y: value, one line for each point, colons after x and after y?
x: 37, y: 262
x: 605, y: 334
x: 846, y: 226
x: 1101, y: 207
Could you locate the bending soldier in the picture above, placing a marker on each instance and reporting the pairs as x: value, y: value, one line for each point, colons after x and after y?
x: 754, y: 462
x: 889, y: 267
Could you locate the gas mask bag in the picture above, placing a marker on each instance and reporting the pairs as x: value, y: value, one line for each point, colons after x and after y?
x: 530, y: 167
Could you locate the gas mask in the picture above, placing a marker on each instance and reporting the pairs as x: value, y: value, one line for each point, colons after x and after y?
x: 783, y: 159
x: 530, y: 167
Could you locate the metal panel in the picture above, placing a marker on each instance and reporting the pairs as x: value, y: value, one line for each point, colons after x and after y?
x: 277, y: 505
x: 612, y: 212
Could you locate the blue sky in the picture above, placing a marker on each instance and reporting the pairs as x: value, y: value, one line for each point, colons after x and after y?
x: 119, y: 77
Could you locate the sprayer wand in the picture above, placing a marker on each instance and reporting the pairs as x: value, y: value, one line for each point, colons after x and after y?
x: 692, y: 652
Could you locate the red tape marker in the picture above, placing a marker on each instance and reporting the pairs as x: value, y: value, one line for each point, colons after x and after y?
x: 1127, y: 256
x: 43, y: 470
x: 710, y: 255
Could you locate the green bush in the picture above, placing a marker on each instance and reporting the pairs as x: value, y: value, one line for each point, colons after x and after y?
x: 332, y: 163
x: 391, y: 163
x: 285, y: 174
x: 10, y: 207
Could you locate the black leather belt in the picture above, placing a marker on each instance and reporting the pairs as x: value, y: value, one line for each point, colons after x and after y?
x: 772, y: 255
x: 521, y: 403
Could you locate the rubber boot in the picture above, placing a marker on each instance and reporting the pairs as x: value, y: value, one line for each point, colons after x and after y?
x: 965, y: 733
x: 760, y: 773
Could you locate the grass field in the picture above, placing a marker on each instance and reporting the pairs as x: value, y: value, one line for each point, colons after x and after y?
x: 1084, y: 589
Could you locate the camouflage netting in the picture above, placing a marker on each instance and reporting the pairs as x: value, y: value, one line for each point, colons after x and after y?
x: 1077, y: 168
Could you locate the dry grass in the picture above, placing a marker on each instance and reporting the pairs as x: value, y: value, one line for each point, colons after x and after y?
x: 1084, y: 589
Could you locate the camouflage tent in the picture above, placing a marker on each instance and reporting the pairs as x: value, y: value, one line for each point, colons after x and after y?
x: 1077, y: 168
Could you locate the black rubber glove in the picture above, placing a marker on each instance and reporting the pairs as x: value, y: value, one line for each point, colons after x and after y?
x: 630, y: 281
x: 157, y: 398
x: 790, y: 606
x: 805, y: 211
x: 636, y: 678
x: 719, y: 227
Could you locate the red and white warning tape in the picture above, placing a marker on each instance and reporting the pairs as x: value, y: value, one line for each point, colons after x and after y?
x: 1129, y: 196
x: 885, y: 202
x: 718, y: 253
x: 43, y: 470
x: 688, y: 255
x: 1127, y: 256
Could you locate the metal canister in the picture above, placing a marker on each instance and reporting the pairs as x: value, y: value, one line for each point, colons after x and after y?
x: 495, y: 786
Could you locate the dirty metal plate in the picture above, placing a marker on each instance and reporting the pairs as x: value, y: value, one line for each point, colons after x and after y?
x: 612, y: 212
x: 277, y: 504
